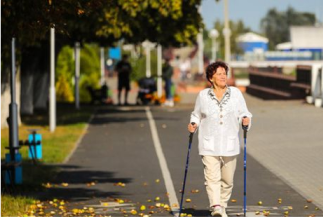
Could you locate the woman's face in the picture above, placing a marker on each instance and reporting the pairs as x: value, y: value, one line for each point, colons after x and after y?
x: 219, y: 78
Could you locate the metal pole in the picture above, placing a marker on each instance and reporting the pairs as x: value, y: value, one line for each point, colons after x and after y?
x: 200, y: 52
x: 226, y: 32
x: 52, y: 100
x: 200, y: 49
x: 213, y: 49
x: 77, y: 75
x: 159, y: 72
x: 13, y: 108
x: 102, y: 64
x: 148, y: 72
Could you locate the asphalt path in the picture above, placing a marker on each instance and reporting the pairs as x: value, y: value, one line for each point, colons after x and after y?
x: 134, y: 157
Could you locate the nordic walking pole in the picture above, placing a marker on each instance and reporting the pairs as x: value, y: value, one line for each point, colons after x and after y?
x: 245, y: 170
x: 186, y: 167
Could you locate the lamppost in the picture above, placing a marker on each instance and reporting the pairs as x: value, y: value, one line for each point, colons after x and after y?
x: 52, y: 93
x: 213, y: 34
x: 226, y: 33
x: 77, y: 74
x: 148, y: 46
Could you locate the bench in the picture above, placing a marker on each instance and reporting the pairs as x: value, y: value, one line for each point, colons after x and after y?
x: 275, y: 85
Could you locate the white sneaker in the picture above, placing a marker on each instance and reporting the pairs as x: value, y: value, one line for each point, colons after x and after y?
x: 224, y: 213
x: 216, y: 211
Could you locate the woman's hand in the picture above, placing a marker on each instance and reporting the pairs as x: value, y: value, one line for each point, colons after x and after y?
x: 191, y: 127
x: 245, y: 121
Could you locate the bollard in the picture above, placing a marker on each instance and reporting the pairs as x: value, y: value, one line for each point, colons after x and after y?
x: 315, y: 84
x: 35, y: 145
x: 16, y: 168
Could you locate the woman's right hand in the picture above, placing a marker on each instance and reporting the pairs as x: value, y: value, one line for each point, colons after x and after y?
x: 191, y: 127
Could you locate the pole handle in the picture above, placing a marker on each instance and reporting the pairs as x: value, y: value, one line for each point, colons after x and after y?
x: 245, y: 129
x: 191, y: 134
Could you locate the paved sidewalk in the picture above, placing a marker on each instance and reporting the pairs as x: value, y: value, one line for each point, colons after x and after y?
x: 286, y: 138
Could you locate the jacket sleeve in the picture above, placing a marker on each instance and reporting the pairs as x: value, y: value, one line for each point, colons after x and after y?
x: 243, y: 110
x: 196, y: 114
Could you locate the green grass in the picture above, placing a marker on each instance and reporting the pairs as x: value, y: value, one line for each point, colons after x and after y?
x: 14, y: 205
x: 241, y: 75
x: 56, y: 147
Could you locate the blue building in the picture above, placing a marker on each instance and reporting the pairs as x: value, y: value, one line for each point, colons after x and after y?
x: 251, y: 42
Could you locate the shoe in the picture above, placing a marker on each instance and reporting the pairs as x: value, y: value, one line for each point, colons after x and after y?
x: 216, y: 211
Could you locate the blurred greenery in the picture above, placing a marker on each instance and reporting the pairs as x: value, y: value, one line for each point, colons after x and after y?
x: 139, y: 66
x: 89, y: 72
x: 275, y: 25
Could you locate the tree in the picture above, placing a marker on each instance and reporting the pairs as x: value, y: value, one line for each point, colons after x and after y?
x: 275, y: 25
x: 170, y: 23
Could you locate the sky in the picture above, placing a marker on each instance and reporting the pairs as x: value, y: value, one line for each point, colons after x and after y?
x: 252, y: 11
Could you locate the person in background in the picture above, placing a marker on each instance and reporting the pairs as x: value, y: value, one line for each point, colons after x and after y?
x: 218, y: 114
x: 123, y: 69
x: 167, y: 73
x: 185, y: 69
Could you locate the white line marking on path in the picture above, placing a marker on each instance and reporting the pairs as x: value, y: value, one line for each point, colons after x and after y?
x: 163, y: 164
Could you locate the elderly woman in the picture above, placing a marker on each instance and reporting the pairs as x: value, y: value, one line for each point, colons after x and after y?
x: 218, y: 113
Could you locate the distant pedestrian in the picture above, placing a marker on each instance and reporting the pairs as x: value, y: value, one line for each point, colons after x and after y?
x: 167, y: 76
x: 218, y: 114
x: 185, y: 69
x: 124, y: 69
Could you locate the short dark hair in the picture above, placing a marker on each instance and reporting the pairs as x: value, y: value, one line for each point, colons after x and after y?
x: 211, y: 69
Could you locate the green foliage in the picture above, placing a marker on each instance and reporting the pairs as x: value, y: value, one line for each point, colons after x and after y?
x: 139, y: 66
x: 275, y: 25
x: 65, y: 68
x: 172, y: 22
x: 64, y: 92
x: 89, y: 72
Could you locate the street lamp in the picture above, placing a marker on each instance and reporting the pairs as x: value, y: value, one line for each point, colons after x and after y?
x: 148, y: 46
x: 213, y: 34
x: 226, y: 33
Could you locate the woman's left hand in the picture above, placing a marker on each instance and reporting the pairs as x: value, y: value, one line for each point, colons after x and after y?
x: 245, y: 121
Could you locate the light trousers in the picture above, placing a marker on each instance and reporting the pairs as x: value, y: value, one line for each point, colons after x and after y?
x: 219, y: 174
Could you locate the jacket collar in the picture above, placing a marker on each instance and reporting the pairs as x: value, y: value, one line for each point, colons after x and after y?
x: 225, y: 98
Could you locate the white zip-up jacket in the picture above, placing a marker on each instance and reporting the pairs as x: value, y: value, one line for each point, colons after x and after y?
x: 219, y: 121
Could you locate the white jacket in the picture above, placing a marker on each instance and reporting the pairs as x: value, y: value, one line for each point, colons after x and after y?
x: 219, y: 121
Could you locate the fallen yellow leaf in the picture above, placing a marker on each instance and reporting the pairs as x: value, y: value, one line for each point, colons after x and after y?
x: 133, y: 212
